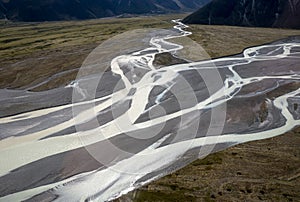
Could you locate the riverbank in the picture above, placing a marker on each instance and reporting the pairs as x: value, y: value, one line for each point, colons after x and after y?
x: 266, y: 170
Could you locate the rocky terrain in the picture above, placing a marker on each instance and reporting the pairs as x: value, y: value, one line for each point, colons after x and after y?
x: 53, y: 10
x: 259, y: 13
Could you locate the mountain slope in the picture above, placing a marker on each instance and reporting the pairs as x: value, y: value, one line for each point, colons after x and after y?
x: 49, y: 10
x: 256, y: 13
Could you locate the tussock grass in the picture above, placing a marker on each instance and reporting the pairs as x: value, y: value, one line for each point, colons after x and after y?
x: 220, y: 41
x: 33, y: 52
x: 22, y: 39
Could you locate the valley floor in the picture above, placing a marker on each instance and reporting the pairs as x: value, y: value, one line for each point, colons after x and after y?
x: 262, y: 170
